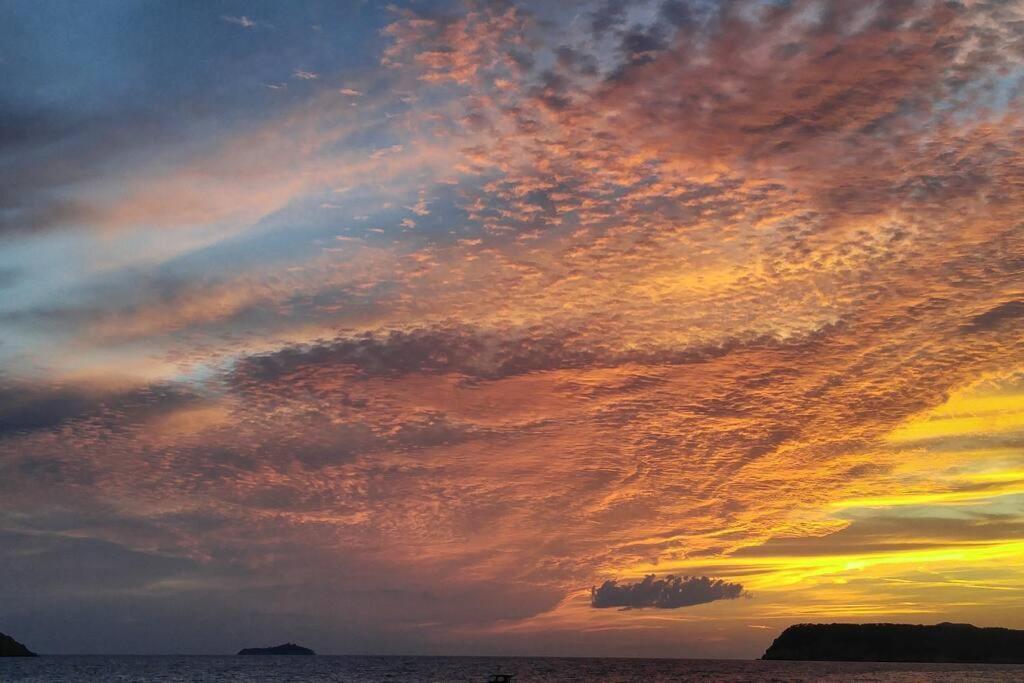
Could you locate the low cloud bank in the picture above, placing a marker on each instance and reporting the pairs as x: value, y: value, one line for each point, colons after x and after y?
x: 668, y: 593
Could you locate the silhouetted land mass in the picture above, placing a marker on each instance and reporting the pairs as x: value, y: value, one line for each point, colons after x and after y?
x: 898, y: 643
x: 9, y: 647
x: 286, y: 649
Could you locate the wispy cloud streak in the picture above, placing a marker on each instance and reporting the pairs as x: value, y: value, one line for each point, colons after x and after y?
x: 534, y: 300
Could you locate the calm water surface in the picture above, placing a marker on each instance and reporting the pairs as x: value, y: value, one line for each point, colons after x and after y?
x: 527, y: 669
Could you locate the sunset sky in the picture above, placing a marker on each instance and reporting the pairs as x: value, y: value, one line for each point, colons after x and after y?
x: 435, y: 327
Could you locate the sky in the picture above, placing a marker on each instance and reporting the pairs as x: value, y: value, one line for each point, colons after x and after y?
x: 595, y: 328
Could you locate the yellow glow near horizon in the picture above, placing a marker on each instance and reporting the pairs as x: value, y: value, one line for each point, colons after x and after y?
x: 858, y: 583
x: 400, y: 321
x: 966, y: 416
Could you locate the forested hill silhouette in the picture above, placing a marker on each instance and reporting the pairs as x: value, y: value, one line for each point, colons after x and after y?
x: 9, y: 647
x: 286, y: 649
x: 943, y: 642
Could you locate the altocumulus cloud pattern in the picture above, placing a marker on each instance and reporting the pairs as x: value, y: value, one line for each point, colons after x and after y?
x: 667, y: 593
x: 396, y: 327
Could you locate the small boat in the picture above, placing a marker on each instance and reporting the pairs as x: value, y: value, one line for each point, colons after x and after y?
x: 501, y: 678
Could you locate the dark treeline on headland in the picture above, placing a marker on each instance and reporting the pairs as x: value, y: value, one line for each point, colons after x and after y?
x: 286, y: 649
x: 9, y: 647
x: 944, y: 642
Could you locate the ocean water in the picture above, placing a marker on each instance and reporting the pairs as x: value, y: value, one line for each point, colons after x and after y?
x: 51, y: 669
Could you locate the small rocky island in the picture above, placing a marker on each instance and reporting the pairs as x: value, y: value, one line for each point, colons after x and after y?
x: 960, y: 643
x: 9, y: 647
x: 286, y: 649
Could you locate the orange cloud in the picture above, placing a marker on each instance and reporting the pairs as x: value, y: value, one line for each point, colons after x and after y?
x: 714, y: 302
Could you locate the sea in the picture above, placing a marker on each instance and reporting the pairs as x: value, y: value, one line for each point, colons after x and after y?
x: 358, y: 669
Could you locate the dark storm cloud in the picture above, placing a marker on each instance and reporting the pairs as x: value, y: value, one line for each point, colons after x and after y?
x: 26, y: 407
x: 475, y: 353
x: 1004, y: 314
x: 668, y: 593
x: 428, y: 350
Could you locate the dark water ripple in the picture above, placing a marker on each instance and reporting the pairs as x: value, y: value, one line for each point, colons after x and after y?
x: 355, y: 669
